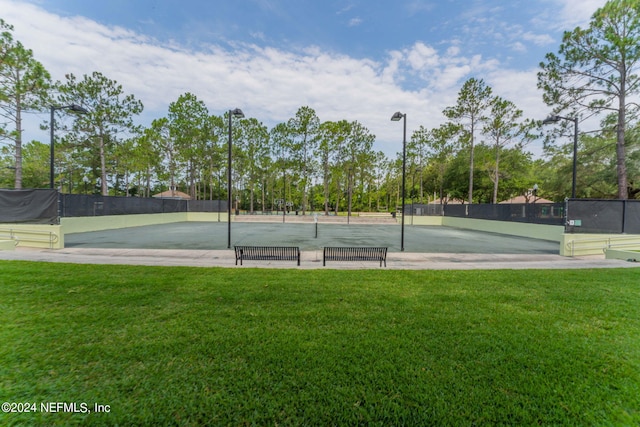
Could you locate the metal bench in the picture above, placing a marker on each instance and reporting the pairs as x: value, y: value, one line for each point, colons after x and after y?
x: 267, y: 253
x: 354, y: 254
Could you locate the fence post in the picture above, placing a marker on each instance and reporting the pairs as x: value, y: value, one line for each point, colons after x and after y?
x: 60, y: 206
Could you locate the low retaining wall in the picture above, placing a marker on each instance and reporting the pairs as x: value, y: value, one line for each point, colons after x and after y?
x: 32, y: 235
x: 7, y: 245
x: 633, y: 256
x: 597, y: 244
x: 52, y: 236
x: 571, y: 244
x: 421, y: 220
x: 552, y: 233
x: 98, y: 223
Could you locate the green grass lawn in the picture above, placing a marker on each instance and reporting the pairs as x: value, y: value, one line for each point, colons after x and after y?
x: 214, y: 346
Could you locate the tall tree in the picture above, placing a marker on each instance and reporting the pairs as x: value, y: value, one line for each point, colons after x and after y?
x: 160, y: 139
x: 442, y: 145
x: 146, y: 158
x: 189, y: 128
x: 503, y: 126
x: 254, y: 146
x: 417, y: 150
x: 331, y: 138
x: 359, y: 154
x: 24, y: 86
x: 304, y: 131
x: 596, y: 69
x: 473, y: 99
x: 110, y: 114
x: 280, y: 141
x: 217, y: 131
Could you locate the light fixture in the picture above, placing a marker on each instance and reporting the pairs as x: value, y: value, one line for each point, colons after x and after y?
x: 396, y: 117
x: 232, y: 113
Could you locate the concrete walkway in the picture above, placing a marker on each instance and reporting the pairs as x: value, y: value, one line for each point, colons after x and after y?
x: 311, y: 259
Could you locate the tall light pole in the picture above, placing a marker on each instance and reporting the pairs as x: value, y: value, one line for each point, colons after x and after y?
x: 72, y: 107
x: 349, y: 194
x: 232, y: 113
x: 396, y: 117
x: 554, y: 119
x: 420, y: 172
x: 219, y: 191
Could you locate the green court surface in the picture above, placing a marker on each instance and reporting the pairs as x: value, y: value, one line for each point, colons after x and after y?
x: 309, y: 236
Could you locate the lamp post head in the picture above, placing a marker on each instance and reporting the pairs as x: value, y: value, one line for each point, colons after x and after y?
x: 397, y: 116
x: 77, y: 109
x: 237, y: 113
x: 551, y: 119
x: 71, y: 107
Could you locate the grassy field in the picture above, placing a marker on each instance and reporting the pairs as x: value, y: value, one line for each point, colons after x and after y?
x: 213, y: 346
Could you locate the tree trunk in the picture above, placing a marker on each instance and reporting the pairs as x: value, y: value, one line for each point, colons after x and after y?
x: 18, y: 155
x: 103, y: 168
x: 471, y: 163
x: 496, y: 171
x: 326, y: 189
x: 620, y: 148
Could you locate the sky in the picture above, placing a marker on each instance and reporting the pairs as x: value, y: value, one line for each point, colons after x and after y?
x: 347, y: 59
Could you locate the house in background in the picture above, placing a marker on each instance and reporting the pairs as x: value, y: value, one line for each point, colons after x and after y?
x: 447, y: 201
x: 526, y: 199
x: 172, y: 194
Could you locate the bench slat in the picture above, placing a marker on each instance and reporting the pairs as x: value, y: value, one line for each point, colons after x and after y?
x: 267, y: 253
x: 355, y: 254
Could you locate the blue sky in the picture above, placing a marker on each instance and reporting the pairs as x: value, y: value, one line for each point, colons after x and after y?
x: 348, y: 59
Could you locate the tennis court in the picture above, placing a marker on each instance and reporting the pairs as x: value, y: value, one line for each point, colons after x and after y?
x: 309, y: 237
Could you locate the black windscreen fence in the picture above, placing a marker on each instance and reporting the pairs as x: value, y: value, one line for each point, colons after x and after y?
x: 74, y: 205
x: 603, y: 216
x: 422, y: 209
x: 43, y: 206
x: 29, y: 206
x: 538, y: 213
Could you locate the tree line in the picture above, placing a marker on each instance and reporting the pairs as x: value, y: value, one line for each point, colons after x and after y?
x: 478, y: 155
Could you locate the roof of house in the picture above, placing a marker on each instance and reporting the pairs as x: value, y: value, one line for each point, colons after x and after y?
x: 447, y: 201
x: 172, y: 194
x: 523, y: 199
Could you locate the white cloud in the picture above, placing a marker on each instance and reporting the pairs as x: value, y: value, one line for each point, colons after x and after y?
x: 565, y: 15
x: 421, y: 56
x: 268, y: 83
x: 519, y: 87
x: 538, y: 39
x: 578, y: 12
x: 518, y: 47
x: 419, y: 6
